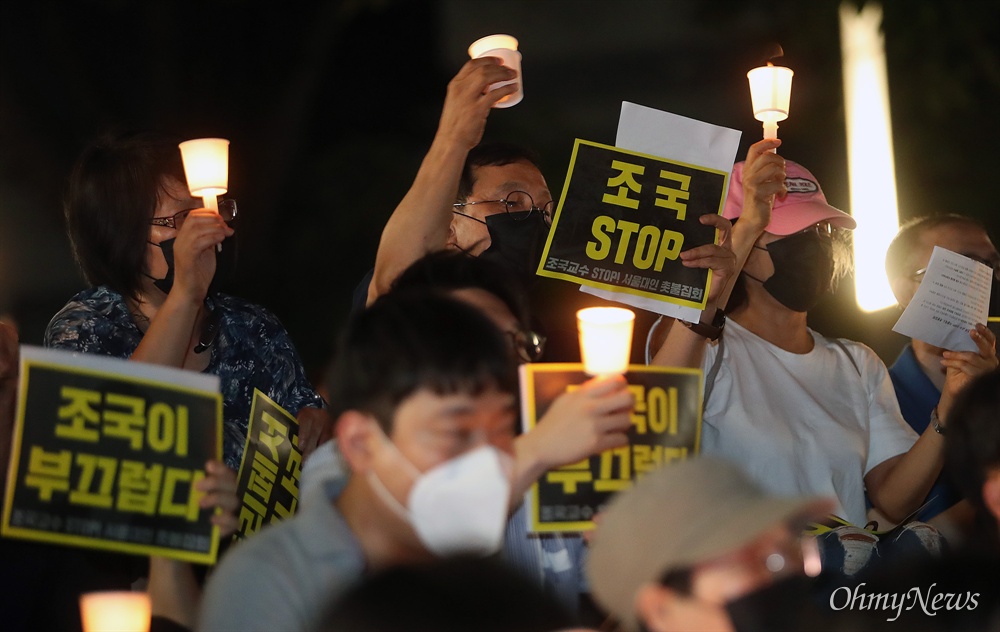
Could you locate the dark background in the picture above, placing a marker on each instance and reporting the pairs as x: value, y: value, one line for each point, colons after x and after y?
x: 331, y: 105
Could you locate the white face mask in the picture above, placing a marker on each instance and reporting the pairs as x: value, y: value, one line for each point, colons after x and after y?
x: 459, y: 506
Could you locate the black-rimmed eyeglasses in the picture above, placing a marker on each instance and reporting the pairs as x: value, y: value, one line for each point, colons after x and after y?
x: 227, y: 209
x: 515, y: 204
x: 529, y: 345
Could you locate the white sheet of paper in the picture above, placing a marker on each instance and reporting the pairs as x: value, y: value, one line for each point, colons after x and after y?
x: 679, y: 138
x: 953, y: 296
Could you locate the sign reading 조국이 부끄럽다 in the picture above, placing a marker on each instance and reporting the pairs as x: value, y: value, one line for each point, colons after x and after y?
x: 666, y: 427
x: 107, y: 454
x: 623, y: 220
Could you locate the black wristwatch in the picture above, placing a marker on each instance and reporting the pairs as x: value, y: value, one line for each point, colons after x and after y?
x: 711, y: 330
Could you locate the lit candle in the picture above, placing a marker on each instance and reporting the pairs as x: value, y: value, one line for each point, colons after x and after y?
x: 504, y: 47
x: 206, y: 167
x: 115, y: 611
x: 605, y: 339
x: 770, y: 92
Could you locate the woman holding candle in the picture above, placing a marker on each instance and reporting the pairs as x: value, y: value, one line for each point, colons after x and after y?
x: 152, y: 256
x: 804, y: 413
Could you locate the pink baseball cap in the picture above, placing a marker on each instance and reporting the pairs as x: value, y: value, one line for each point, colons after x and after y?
x: 804, y: 205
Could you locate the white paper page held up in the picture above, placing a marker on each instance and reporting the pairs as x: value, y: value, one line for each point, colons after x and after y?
x: 953, y: 296
x: 679, y: 138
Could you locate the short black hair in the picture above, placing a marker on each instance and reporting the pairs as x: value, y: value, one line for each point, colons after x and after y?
x: 412, y: 340
x: 446, y: 271
x: 972, y: 443
x: 492, y: 155
x: 906, y: 241
x: 448, y: 595
x: 113, y: 192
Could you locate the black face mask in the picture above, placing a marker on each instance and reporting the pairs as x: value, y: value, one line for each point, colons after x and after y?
x: 517, y: 241
x: 225, y: 265
x: 803, y: 270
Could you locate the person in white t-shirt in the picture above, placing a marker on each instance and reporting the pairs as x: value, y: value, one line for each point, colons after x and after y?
x: 802, y: 413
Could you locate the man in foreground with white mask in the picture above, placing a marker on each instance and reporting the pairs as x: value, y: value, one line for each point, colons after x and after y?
x: 423, y: 393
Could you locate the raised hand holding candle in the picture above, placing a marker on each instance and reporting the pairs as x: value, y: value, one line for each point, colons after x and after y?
x: 504, y: 47
x: 605, y: 339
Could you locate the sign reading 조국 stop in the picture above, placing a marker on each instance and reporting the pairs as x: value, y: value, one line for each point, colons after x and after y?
x: 107, y: 453
x: 623, y: 220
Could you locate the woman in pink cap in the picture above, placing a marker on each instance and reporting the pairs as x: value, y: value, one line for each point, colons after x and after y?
x: 803, y: 413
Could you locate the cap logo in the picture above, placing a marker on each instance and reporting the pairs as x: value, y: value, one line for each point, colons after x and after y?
x: 801, y: 185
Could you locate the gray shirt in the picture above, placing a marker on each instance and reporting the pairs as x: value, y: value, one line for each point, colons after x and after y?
x: 287, y: 575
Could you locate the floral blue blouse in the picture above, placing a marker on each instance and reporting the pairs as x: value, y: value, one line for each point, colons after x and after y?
x: 252, y: 351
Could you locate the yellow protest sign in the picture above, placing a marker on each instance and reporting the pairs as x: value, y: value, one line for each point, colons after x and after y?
x: 623, y: 220
x: 666, y: 427
x: 107, y: 452
x: 268, y: 482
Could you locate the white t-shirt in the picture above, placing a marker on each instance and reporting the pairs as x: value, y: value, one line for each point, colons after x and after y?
x: 803, y: 424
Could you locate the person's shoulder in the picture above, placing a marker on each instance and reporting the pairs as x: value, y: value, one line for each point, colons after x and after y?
x: 231, y: 303
x: 253, y: 585
x: 98, y: 299
x: 241, y: 309
x: 258, y: 563
x: 95, y: 308
x: 282, y: 575
x: 284, y: 547
x: 861, y: 352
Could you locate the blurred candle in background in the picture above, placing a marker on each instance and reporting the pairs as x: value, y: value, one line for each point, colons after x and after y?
x: 115, y: 611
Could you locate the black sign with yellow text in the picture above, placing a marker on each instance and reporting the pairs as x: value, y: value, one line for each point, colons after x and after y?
x: 623, y: 220
x: 666, y: 427
x: 272, y: 463
x: 107, y: 453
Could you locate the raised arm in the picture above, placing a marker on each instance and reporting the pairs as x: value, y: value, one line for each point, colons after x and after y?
x: 168, y: 339
x: 763, y: 179
x: 419, y: 224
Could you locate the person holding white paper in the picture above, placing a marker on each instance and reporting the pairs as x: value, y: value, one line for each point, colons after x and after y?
x: 804, y: 414
x: 919, y: 375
